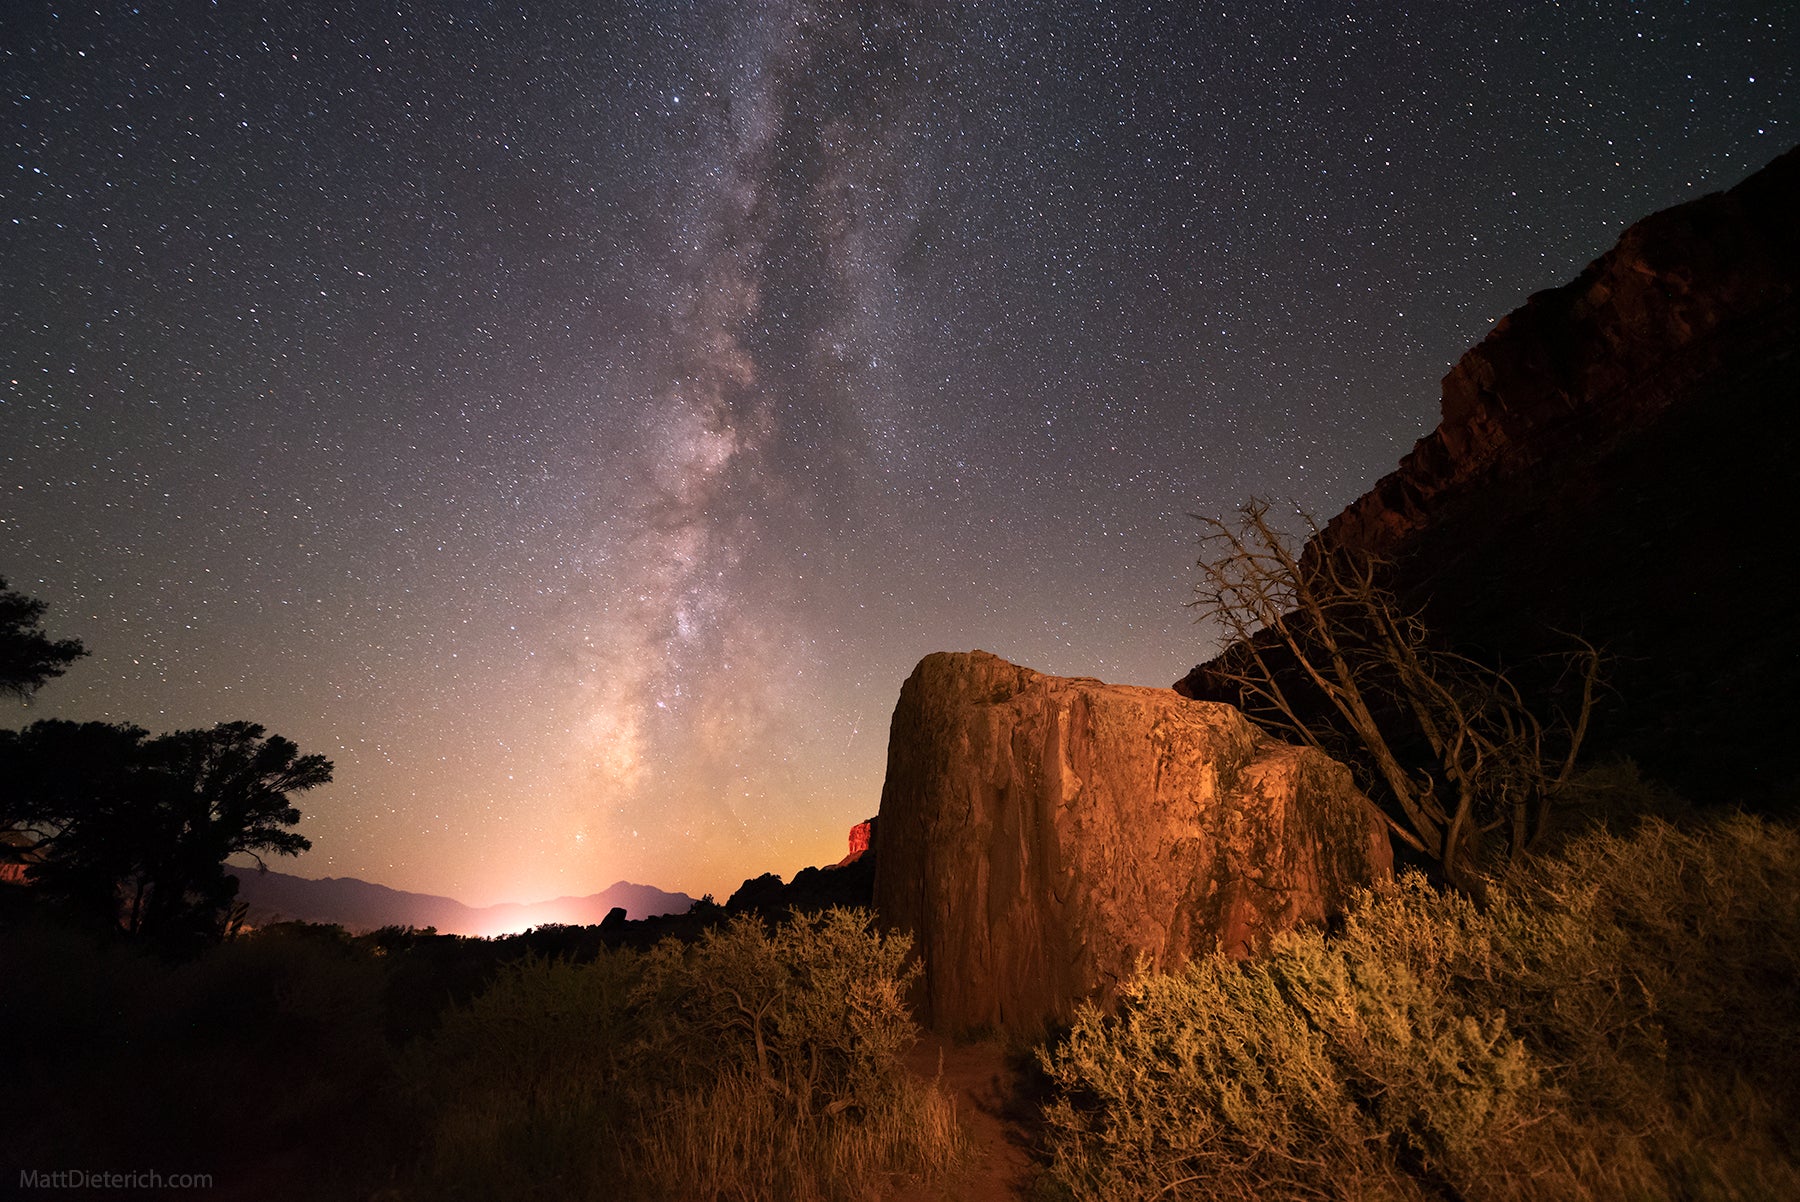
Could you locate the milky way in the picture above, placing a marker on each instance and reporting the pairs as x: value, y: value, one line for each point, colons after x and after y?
x: 577, y: 423
x: 750, y: 419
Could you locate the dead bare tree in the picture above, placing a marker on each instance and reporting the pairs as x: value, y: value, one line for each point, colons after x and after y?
x: 1318, y: 648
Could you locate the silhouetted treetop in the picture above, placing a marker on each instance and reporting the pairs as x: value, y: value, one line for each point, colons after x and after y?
x: 134, y: 832
x: 28, y: 656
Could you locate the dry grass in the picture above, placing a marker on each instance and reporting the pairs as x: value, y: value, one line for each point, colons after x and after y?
x: 735, y: 1141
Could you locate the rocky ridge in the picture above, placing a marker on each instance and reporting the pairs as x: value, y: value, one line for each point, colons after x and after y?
x: 1615, y: 460
x: 1689, y: 295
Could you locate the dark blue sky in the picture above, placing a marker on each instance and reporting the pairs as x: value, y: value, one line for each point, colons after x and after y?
x: 577, y: 423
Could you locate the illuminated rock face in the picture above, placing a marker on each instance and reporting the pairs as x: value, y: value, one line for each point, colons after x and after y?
x: 1040, y: 835
x: 862, y: 837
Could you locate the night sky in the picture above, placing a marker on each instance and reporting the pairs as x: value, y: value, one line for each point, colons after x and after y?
x: 576, y: 419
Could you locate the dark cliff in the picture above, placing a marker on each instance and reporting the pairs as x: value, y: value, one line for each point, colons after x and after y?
x: 1617, y: 458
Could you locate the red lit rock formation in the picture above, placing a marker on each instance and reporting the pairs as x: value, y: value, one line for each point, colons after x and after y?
x: 862, y: 837
x: 849, y: 882
x: 1041, y: 834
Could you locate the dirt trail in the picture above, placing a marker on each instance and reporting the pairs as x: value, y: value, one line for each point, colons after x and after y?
x: 989, y: 1103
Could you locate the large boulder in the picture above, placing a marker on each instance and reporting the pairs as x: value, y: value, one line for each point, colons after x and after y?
x: 1040, y: 836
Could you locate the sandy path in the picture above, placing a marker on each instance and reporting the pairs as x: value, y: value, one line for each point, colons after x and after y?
x: 988, y: 1103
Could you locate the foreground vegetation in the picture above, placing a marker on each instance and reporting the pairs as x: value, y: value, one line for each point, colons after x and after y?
x: 753, y: 1064
x: 298, y: 1062
x: 1618, y: 1022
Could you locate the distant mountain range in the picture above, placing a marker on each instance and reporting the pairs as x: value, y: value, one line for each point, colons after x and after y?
x: 360, y: 906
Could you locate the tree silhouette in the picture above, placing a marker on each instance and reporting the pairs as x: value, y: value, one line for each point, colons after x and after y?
x: 29, y: 657
x: 134, y: 832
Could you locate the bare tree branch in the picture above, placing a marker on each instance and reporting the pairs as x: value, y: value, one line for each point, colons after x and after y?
x: 1318, y: 649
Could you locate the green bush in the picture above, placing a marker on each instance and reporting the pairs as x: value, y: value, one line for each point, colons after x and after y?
x: 1620, y: 1021
x: 750, y: 1064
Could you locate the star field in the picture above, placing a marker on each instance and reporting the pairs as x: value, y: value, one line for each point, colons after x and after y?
x: 576, y: 420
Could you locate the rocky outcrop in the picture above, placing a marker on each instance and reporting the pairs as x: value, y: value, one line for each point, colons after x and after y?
x: 1689, y: 295
x: 1041, y: 835
x: 862, y: 838
x: 1616, y: 460
x: 850, y: 882
x: 765, y: 892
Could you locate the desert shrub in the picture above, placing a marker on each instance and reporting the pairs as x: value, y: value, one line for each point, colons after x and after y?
x: 525, y: 1084
x: 1615, y: 794
x: 1206, y: 1077
x: 812, y: 1011
x: 1618, y: 1022
x: 754, y: 1063
x: 260, y: 1062
x: 1644, y: 964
